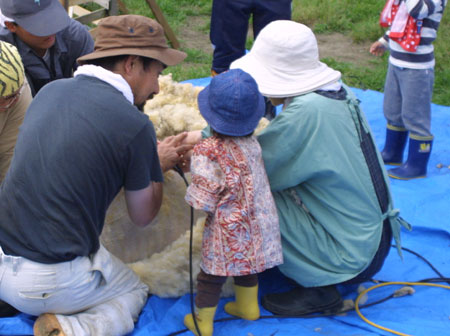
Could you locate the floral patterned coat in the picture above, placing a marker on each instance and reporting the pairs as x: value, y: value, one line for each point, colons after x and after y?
x: 229, y: 182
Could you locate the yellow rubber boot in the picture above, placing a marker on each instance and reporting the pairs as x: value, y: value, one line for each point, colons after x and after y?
x: 204, y: 318
x: 246, y: 304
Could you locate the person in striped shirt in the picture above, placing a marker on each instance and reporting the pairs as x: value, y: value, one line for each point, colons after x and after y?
x: 413, y: 26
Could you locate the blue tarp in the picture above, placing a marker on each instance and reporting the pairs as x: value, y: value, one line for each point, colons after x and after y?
x: 424, y: 203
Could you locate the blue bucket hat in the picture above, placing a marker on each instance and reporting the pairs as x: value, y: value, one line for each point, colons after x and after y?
x: 231, y: 104
x: 38, y: 17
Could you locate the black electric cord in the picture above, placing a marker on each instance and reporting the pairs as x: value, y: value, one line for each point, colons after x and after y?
x: 191, y: 238
x: 424, y: 259
x: 432, y: 280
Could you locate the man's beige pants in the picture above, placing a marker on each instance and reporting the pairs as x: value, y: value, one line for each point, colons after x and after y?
x: 90, y: 296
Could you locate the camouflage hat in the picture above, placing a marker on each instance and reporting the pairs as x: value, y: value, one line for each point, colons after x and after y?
x: 11, y: 70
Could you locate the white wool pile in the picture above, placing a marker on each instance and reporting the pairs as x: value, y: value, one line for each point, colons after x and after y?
x: 167, y: 273
x: 174, y: 109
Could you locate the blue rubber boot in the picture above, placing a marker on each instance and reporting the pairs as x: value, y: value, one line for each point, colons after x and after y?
x: 416, y: 165
x: 394, y: 146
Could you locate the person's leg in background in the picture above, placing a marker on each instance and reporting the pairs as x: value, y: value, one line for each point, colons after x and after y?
x: 228, y: 34
x: 396, y: 133
x: 417, y: 90
x: 266, y: 11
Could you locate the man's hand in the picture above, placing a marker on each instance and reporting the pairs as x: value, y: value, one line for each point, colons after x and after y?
x: 172, y: 149
x: 377, y: 48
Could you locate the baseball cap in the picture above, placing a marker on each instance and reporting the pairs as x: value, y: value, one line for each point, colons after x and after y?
x: 38, y: 17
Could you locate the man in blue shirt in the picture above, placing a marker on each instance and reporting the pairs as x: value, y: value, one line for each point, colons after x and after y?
x: 48, y: 40
x: 83, y: 139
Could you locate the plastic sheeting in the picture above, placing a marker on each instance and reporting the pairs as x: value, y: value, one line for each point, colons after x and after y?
x: 424, y: 203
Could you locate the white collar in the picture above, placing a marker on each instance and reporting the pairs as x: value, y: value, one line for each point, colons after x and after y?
x: 107, y: 76
x: 4, y: 18
x: 335, y: 86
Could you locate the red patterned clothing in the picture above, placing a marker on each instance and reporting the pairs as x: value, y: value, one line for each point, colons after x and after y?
x: 229, y: 182
x: 430, y: 12
x: 405, y: 30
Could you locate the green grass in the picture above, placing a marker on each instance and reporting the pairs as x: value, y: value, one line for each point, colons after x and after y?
x: 196, y: 65
x: 359, y: 19
x: 175, y: 11
x: 354, y: 18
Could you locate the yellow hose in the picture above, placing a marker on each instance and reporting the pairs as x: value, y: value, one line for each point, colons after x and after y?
x: 390, y: 284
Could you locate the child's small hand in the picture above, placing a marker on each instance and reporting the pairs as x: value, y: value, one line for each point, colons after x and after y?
x: 192, y: 138
x: 185, y: 162
x: 377, y: 48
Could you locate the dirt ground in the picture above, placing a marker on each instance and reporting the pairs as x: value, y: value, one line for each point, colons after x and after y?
x: 335, y: 45
x: 343, y: 49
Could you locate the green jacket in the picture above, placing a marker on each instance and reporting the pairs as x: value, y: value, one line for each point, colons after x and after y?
x: 330, y: 218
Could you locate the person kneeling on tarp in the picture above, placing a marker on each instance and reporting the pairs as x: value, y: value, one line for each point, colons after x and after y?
x: 326, y: 175
x: 82, y: 140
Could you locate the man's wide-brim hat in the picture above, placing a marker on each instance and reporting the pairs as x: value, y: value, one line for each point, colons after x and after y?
x: 231, y: 104
x: 132, y: 35
x: 38, y: 17
x: 284, y: 61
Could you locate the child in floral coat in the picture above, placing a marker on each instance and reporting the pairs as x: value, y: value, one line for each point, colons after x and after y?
x: 241, y: 236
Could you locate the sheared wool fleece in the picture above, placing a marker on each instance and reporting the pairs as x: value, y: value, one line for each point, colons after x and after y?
x: 167, y: 273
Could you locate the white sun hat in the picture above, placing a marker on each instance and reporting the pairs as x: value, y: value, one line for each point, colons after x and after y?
x: 284, y: 61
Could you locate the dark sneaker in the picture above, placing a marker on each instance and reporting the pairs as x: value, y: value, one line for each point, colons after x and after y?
x: 303, y: 301
x: 6, y: 310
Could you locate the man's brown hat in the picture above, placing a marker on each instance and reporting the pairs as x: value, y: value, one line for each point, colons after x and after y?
x: 132, y: 35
